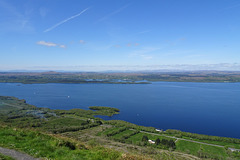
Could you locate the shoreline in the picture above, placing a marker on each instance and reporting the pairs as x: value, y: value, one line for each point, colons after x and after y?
x: 66, y: 97
x: 20, y: 115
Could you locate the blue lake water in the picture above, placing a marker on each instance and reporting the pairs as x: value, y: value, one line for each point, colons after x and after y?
x: 206, y: 108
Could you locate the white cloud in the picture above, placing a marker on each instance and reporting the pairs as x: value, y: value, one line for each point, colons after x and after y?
x: 62, y: 46
x: 51, y: 44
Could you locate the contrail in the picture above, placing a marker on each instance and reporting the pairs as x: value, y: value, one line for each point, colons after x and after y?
x: 64, y: 21
x: 113, y: 13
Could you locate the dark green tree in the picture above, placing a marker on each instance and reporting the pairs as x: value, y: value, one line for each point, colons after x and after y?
x: 157, y: 142
x: 172, y: 144
x: 144, y: 138
x: 164, y: 141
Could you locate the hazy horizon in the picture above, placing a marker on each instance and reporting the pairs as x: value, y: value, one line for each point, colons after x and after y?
x: 119, y: 68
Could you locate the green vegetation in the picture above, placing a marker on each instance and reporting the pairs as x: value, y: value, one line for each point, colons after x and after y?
x: 224, y: 141
x: 109, y: 111
x: 42, y: 145
x: 122, y: 136
x: 142, y: 140
x: 201, y: 150
x: 61, y: 134
x: 120, y: 123
x: 94, y: 110
x: 55, y: 77
x: 3, y: 157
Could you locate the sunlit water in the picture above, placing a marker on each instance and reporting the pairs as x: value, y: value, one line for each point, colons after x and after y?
x: 207, y: 108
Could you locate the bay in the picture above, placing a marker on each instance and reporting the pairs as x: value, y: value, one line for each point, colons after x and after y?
x: 205, y: 108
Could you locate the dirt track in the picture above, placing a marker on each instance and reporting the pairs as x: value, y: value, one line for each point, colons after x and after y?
x: 16, y: 155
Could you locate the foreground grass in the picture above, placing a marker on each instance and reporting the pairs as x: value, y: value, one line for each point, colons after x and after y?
x: 41, y: 145
x: 3, y: 157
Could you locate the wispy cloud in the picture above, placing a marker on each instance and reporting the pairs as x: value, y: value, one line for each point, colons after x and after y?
x: 14, y: 20
x: 66, y: 20
x: 50, y: 44
x: 142, y: 32
x: 82, y: 42
x: 113, y: 13
x: 43, y: 12
x: 136, y: 44
x: 62, y: 46
x: 179, y: 52
x: 182, y: 39
x: 132, y: 44
x: 233, y: 6
x: 147, y: 57
x: 165, y: 67
x: 194, y: 56
x: 129, y: 44
x: 117, y: 46
x: 144, y: 53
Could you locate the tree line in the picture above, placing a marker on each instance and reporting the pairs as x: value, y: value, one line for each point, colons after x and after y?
x: 165, y: 143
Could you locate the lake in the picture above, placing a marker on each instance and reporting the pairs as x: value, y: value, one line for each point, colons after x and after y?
x: 205, y: 108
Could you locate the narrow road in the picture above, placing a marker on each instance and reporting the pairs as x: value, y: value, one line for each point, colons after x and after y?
x: 11, y: 105
x: 16, y: 155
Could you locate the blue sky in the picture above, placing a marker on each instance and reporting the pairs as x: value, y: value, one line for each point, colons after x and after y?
x: 119, y: 34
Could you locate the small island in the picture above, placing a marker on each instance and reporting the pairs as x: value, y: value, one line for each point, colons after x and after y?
x: 107, y: 111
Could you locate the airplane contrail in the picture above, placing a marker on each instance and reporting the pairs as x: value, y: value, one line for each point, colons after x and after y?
x: 64, y: 21
x: 113, y: 13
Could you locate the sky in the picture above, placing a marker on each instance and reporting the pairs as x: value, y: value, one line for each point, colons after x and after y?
x: 95, y: 35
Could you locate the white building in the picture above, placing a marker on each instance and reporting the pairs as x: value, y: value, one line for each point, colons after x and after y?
x: 151, y: 141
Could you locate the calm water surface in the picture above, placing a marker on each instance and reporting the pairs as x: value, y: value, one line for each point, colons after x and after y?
x: 207, y: 108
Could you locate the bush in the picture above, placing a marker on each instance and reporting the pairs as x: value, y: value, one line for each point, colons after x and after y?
x: 68, y: 144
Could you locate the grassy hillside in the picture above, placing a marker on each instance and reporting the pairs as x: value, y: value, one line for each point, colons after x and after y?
x: 77, y: 134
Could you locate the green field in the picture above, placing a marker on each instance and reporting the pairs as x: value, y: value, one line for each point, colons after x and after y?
x: 3, y: 157
x: 121, y: 134
x: 201, y: 150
